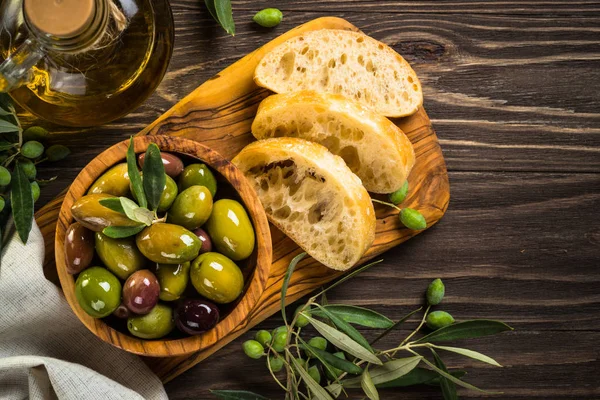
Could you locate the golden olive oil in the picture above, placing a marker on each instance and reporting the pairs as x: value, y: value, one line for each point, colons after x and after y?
x: 92, y: 78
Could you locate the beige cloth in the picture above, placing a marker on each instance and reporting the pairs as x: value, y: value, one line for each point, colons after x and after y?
x: 45, y: 351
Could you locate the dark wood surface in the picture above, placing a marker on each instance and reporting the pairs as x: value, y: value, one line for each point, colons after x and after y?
x: 512, y: 88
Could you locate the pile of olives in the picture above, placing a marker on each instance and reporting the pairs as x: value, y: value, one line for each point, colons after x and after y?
x: 144, y: 278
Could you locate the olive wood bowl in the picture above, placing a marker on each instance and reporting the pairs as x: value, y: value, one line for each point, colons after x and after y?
x: 256, y: 270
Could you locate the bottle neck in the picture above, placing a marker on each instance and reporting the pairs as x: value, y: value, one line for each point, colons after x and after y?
x: 89, y: 33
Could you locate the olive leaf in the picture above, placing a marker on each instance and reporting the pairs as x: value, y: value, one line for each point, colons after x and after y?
x: 154, y: 176
x: 210, y: 5
x: 448, y: 387
x: 119, y: 232
x: 366, y: 383
x: 113, y: 203
x: 129, y: 206
x: 316, y: 389
x: 4, y: 145
x: 345, y: 327
x: 323, y: 356
x: 6, y: 103
x: 6, y: 126
x: 237, y: 395
x: 436, y: 381
x: 335, y: 389
x: 143, y: 215
x: 358, y: 315
x: 329, y: 360
x: 391, y: 328
x: 21, y: 199
x: 343, y: 341
x: 286, y: 282
x: 134, y: 176
x: 225, y: 15
x: 387, y: 372
x: 470, y: 353
x: 454, y: 379
x: 466, y: 330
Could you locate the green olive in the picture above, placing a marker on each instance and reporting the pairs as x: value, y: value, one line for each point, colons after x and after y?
x: 412, y: 219
x: 90, y: 213
x: 314, y: 373
x: 318, y: 342
x: 173, y: 279
x: 191, y: 208
x: 98, y: 292
x: 439, y: 319
x: 231, y: 230
x: 168, y: 195
x: 276, y: 363
x: 197, y: 174
x: 263, y: 337
x: 253, y: 349
x: 269, y: 17
x: 399, y: 195
x: 35, y: 133
x: 168, y: 243
x: 217, y: 278
x: 156, y: 324
x: 115, y: 181
x: 279, y: 341
x: 301, y: 320
x: 435, y: 292
x: 120, y: 256
x: 32, y: 149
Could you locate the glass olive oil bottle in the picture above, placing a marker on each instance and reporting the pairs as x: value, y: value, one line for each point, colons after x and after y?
x: 83, y: 62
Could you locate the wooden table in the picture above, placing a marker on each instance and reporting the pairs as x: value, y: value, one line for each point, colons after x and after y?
x: 512, y: 88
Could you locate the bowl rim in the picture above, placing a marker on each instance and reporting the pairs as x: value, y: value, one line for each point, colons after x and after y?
x: 174, y: 347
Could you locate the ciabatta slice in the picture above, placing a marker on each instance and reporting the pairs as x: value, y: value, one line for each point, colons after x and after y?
x: 343, y: 62
x: 313, y: 197
x: 371, y: 145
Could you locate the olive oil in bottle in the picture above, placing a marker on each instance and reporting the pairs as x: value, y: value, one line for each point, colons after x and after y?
x: 83, y: 62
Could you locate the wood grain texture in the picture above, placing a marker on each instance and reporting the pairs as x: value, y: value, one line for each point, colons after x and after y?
x: 512, y: 88
x: 219, y: 114
x: 256, y: 268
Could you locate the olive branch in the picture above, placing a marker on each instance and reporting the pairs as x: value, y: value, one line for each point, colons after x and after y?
x: 349, y: 361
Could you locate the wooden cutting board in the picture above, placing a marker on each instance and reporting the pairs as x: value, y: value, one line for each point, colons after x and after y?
x: 219, y: 114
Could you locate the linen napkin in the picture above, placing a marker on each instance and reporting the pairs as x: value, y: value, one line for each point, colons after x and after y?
x: 45, y: 351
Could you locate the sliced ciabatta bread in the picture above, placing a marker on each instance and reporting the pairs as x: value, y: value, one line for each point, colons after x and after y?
x: 343, y: 62
x: 312, y: 196
x: 371, y: 145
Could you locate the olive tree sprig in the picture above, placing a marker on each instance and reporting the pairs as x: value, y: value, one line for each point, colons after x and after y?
x: 20, y: 152
x: 348, y: 361
x: 146, y: 191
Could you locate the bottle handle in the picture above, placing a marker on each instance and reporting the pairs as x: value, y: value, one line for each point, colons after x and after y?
x: 15, y: 70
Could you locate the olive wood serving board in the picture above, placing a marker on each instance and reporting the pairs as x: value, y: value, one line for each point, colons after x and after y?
x: 219, y: 114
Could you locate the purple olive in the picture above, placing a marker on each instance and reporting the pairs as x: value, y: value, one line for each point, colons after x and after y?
x: 122, y: 312
x: 140, y: 292
x: 205, y: 239
x: 79, y: 248
x: 173, y: 164
x: 194, y: 316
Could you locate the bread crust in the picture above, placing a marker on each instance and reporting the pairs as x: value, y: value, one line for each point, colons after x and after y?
x: 343, y: 62
x: 338, y: 223
x: 372, y: 146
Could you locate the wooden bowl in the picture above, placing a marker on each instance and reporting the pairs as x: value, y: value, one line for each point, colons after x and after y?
x: 256, y: 270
